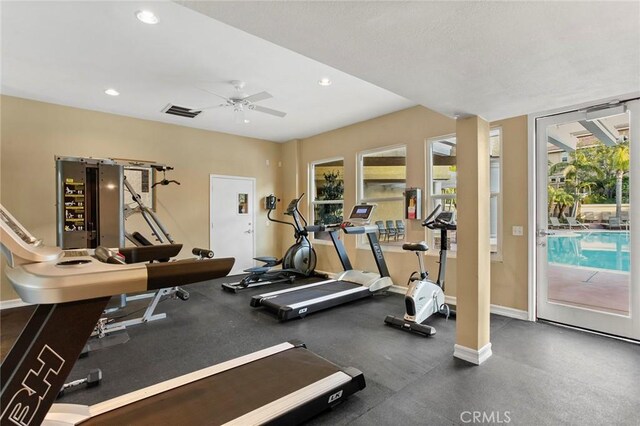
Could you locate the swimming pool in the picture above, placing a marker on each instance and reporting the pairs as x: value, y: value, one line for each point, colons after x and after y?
x: 592, y: 249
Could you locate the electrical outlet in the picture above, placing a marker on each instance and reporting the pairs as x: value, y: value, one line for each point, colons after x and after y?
x: 268, y: 163
x: 517, y: 231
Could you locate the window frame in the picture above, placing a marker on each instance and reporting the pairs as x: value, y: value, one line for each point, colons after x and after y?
x: 362, y: 242
x: 429, y: 197
x: 312, y: 191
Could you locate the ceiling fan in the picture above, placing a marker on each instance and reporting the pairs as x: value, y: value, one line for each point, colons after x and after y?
x: 241, y: 103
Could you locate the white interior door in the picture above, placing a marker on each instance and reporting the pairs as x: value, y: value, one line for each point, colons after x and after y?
x: 232, y: 219
x: 588, y: 272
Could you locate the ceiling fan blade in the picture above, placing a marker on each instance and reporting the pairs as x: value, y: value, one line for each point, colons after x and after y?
x: 258, y: 97
x: 207, y: 107
x: 214, y: 94
x: 268, y: 111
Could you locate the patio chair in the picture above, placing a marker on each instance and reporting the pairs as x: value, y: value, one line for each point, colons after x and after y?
x: 399, y: 229
x: 554, y: 223
x: 589, y: 217
x: 616, y: 223
x: 573, y: 222
x: 382, y: 231
x: 391, y: 229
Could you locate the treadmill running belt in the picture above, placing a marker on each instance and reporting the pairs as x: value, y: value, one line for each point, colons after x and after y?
x: 227, y: 395
x: 302, y: 295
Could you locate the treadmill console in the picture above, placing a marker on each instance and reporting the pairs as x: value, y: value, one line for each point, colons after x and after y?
x: 361, y: 214
x: 359, y: 219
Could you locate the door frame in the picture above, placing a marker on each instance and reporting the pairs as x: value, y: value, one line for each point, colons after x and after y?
x: 633, y: 106
x: 253, y: 211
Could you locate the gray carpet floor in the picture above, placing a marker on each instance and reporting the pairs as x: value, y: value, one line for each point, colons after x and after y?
x: 539, y: 374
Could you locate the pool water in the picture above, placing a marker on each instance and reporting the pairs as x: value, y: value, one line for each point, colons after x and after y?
x: 592, y: 249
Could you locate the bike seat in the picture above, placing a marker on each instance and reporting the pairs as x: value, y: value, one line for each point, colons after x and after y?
x: 421, y: 246
x: 258, y: 270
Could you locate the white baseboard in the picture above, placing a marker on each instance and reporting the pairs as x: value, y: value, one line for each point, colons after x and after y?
x: 504, y: 311
x: 473, y: 356
x: 13, y: 303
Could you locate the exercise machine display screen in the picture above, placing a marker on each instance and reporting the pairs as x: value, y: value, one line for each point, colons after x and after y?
x: 292, y: 206
x: 362, y: 211
x: 446, y: 217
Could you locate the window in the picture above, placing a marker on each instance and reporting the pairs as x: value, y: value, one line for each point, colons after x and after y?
x: 442, y: 179
x: 382, y: 178
x: 326, y: 183
x: 565, y: 157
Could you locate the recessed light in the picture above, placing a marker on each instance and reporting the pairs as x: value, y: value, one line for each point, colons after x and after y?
x: 112, y: 92
x: 324, y: 81
x: 247, y: 121
x: 147, y: 17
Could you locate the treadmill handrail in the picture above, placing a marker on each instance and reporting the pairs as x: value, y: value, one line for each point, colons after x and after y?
x: 360, y: 229
x: 50, y: 282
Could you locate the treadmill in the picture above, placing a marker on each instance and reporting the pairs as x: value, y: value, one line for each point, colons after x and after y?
x: 283, y: 384
x: 350, y: 285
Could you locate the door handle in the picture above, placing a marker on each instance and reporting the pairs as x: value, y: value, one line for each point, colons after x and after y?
x: 541, y: 234
x: 249, y: 231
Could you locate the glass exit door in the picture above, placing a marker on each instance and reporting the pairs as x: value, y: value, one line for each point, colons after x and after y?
x: 588, y: 272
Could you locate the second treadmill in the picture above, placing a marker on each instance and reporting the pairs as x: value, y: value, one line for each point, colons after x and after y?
x: 348, y: 286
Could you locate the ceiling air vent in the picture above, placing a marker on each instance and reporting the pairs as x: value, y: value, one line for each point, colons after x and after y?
x: 180, y: 111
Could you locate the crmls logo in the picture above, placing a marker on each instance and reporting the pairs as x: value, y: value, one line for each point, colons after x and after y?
x: 483, y: 417
x: 25, y: 402
x: 302, y: 311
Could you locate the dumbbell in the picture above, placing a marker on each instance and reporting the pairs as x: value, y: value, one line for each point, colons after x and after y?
x: 93, y: 379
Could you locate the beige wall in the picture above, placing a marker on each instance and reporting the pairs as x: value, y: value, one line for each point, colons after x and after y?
x: 33, y: 132
x: 412, y: 127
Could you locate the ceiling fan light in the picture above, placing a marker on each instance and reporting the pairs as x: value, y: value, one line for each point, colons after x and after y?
x: 325, y: 81
x: 147, y: 17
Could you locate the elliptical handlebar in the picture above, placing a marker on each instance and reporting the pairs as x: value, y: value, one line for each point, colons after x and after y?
x: 299, y: 228
x: 428, y: 220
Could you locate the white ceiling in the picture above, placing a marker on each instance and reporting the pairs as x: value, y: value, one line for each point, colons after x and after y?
x: 70, y: 52
x: 493, y: 59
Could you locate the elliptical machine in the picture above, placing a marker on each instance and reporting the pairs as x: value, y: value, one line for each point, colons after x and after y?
x: 298, y: 261
x: 425, y: 297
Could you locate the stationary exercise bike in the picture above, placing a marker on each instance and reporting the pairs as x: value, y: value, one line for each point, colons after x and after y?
x: 298, y: 261
x: 425, y: 297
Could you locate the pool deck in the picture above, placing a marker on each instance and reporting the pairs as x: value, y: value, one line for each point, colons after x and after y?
x: 589, y: 288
